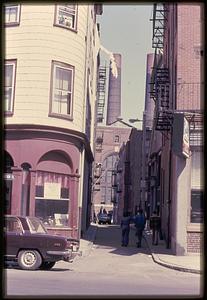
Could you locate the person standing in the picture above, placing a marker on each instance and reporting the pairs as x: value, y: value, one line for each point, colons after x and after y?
x: 140, y: 222
x: 125, y: 227
x: 155, y: 226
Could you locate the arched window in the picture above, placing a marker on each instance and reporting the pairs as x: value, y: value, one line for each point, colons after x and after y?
x: 52, y: 189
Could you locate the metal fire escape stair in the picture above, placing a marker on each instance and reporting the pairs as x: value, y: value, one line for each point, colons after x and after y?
x: 101, y: 88
x: 161, y: 86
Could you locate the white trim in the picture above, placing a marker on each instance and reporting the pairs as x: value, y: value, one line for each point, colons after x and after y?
x: 18, y: 13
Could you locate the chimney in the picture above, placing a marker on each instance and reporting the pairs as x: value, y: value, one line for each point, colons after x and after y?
x: 114, y: 93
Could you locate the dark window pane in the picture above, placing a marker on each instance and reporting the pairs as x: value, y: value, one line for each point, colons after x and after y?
x: 64, y: 193
x: 39, y: 192
x: 196, y: 206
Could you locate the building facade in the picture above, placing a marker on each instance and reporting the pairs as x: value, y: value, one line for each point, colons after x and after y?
x: 175, y: 169
x: 51, y: 61
x: 109, y: 140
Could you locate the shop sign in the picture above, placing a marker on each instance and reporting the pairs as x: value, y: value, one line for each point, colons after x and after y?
x: 52, y: 190
x: 181, y: 136
x: 186, y: 138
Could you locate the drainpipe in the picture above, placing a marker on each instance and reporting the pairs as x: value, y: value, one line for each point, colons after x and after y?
x: 169, y: 195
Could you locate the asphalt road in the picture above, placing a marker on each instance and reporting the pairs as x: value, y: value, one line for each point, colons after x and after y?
x: 109, y: 269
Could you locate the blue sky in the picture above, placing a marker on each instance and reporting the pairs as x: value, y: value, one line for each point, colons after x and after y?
x: 127, y: 29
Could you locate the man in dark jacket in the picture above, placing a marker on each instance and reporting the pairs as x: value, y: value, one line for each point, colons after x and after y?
x: 125, y: 227
x: 140, y: 222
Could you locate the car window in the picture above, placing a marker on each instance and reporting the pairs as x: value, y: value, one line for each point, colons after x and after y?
x: 13, y: 225
x: 36, y: 226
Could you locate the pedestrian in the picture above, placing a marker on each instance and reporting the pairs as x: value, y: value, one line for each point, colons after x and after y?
x: 155, y: 226
x: 125, y: 227
x: 140, y: 222
x: 94, y: 217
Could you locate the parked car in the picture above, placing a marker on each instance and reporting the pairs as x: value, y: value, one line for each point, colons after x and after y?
x: 104, y: 218
x: 29, y: 244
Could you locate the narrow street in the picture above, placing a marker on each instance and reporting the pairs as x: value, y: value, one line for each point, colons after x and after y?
x: 109, y: 269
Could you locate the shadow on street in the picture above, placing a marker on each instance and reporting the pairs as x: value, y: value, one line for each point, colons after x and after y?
x: 109, y: 236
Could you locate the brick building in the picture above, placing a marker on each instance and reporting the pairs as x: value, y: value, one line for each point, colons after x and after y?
x: 175, y: 168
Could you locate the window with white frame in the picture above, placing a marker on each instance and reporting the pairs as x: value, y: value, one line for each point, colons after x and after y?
x: 12, y: 14
x: 62, y: 89
x: 10, y: 69
x: 66, y: 16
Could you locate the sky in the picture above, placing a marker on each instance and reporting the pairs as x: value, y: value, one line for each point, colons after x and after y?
x: 127, y: 29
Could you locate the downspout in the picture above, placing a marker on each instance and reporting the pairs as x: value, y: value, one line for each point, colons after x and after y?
x: 169, y: 195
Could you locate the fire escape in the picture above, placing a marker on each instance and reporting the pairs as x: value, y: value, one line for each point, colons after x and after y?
x: 160, y: 80
x: 101, y: 87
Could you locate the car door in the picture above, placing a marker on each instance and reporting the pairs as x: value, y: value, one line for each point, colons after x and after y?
x: 13, y: 236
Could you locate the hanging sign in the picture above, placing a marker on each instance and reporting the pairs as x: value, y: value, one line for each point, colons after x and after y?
x: 186, y: 138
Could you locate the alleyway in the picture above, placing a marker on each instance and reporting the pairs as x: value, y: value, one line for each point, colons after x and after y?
x: 108, y: 269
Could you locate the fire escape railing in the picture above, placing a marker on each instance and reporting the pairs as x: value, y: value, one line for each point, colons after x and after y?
x: 160, y: 88
x: 101, y: 89
x: 159, y: 19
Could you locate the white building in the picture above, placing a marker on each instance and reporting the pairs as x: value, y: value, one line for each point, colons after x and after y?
x: 51, y: 61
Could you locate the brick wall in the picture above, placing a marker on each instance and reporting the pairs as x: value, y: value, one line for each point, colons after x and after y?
x: 194, y: 242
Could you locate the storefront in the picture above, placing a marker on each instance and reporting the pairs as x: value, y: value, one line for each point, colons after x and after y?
x: 41, y: 176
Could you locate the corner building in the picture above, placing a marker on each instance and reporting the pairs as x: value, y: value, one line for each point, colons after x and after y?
x: 51, y: 61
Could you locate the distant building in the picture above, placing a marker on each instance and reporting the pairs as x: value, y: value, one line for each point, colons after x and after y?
x: 109, y: 140
x: 129, y: 175
x: 51, y: 62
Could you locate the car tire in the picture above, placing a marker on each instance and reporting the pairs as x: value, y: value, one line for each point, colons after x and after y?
x: 29, y: 259
x: 47, y: 265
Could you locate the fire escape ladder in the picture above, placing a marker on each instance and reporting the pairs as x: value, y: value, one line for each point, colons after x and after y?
x: 162, y: 86
x: 101, y: 88
x: 99, y: 142
x: 159, y: 19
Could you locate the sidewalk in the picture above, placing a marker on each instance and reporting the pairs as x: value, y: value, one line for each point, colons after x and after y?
x: 187, y: 263
x: 86, y: 242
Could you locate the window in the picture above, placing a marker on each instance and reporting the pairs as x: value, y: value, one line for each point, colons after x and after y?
x: 10, y: 69
x: 66, y: 16
x: 52, y: 198
x: 12, y: 224
x: 116, y: 139
x: 62, y: 87
x: 12, y: 14
x: 196, y: 206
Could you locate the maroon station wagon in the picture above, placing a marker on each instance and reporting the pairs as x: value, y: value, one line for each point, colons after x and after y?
x: 29, y: 244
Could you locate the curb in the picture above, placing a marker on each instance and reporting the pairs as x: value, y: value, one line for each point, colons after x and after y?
x: 157, y: 260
